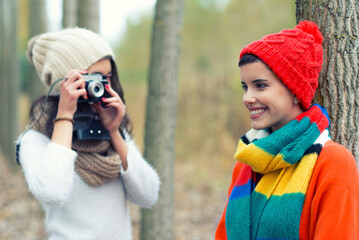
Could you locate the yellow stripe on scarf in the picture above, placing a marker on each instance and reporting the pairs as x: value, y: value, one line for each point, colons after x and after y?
x: 262, y: 161
x: 294, y: 179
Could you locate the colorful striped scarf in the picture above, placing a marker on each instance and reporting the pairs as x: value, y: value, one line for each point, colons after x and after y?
x: 284, y: 160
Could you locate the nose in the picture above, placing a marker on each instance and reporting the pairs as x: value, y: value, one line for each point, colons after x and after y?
x: 248, y: 97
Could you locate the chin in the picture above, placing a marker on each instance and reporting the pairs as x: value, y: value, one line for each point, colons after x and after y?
x: 260, y: 126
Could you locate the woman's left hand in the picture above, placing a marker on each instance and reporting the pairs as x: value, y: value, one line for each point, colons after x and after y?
x: 112, y: 114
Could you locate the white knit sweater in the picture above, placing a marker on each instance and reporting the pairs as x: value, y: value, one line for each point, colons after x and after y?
x: 74, y: 209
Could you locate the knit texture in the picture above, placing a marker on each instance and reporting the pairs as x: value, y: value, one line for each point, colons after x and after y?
x: 334, y: 182
x: 97, y: 162
x: 271, y: 207
x: 54, y: 54
x: 75, y: 210
x: 295, y: 56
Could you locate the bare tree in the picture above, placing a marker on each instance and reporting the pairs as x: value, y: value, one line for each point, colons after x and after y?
x: 3, y: 131
x: 89, y: 14
x: 69, y: 16
x: 338, y: 21
x: 81, y: 13
x: 157, y: 224
x: 9, y: 91
x: 38, y: 25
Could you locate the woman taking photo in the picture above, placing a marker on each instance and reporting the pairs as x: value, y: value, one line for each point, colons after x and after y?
x: 291, y: 181
x: 82, y: 184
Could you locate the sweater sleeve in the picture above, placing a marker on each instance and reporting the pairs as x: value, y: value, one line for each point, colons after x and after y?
x: 333, y: 212
x: 48, y: 168
x: 338, y: 215
x: 141, y: 181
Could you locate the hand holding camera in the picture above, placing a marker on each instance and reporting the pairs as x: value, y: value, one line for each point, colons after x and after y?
x: 111, y: 111
x: 81, y: 89
x: 79, y: 86
x: 72, y: 88
x: 95, y: 87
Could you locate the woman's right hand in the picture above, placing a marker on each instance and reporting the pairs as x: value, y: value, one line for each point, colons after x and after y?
x: 71, y: 89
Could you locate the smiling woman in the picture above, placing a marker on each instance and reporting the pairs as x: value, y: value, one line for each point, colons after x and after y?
x: 291, y: 180
x: 270, y: 103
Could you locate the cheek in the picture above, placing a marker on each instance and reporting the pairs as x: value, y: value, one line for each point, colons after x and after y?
x: 267, y: 98
x: 285, y: 96
x: 284, y: 103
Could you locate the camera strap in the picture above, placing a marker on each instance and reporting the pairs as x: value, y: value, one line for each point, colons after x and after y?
x: 17, y: 150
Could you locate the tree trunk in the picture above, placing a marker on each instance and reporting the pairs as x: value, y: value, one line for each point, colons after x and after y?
x: 89, y: 14
x: 2, y: 75
x: 157, y: 223
x: 69, y: 16
x: 9, y: 77
x: 38, y: 25
x: 339, y: 79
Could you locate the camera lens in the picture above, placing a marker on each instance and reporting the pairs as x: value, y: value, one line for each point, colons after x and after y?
x: 95, y: 89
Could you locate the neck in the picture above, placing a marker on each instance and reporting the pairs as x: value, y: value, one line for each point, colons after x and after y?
x: 293, y: 114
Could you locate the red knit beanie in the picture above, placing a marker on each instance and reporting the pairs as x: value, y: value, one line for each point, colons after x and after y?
x: 295, y: 56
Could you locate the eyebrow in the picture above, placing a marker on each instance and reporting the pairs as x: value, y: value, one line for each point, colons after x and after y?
x: 257, y: 80
x: 109, y: 73
x: 260, y: 80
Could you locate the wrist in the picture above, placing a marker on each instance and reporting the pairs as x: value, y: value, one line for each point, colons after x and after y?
x: 62, y: 118
x: 114, y: 133
x: 67, y: 114
x: 120, y: 146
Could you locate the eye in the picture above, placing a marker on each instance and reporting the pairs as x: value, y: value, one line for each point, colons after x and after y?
x: 261, y: 85
x: 244, y: 87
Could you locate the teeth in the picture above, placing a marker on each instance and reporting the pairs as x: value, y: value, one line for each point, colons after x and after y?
x: 258, y: 111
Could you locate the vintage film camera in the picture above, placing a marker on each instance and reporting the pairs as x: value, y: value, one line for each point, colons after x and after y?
x: 95, y: 87
x: 88, y: 125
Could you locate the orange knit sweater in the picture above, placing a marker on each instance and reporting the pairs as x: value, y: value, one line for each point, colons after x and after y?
x: 331, y: 206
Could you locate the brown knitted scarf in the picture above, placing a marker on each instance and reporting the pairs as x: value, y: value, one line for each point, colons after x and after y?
x: 97, y: 162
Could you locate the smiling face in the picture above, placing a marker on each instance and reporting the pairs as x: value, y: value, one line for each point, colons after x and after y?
x: 268, y: 100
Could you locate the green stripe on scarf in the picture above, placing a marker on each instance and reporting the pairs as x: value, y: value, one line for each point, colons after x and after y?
x: 286, y: 158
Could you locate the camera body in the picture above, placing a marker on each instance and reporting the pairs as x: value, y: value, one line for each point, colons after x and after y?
x: 88, y: 125
x: 95, y: 87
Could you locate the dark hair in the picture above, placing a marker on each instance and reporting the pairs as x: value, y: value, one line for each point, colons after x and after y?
x: 52, y: 101
x: 250, y: 58
x: 126, y: 123
x: 50, y: 110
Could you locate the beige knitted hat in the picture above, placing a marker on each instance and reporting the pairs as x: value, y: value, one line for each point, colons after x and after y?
x: 54, y: 54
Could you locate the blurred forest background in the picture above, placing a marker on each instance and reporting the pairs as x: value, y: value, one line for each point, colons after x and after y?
x: 210, y: 114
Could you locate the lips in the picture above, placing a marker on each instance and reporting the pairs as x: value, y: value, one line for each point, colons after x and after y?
x: 256, y: 112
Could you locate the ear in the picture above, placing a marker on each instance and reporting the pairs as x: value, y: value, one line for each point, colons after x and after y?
x: 295, y: 100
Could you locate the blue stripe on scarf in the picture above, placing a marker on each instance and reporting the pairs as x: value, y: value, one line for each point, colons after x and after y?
x: 242, y: 190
